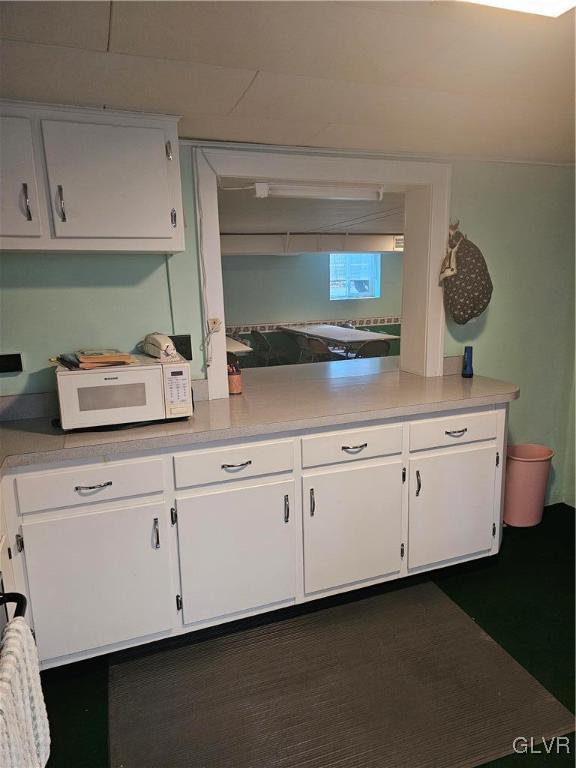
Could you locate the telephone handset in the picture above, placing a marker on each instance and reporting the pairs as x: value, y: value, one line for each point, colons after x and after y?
x: 158, y: 345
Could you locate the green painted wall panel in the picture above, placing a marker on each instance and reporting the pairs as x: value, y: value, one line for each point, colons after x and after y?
x: 275, y: 289
x: 522, y: 218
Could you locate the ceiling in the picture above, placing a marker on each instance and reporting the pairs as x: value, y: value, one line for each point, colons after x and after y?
x: 419, y: 77
x: 242, y: 213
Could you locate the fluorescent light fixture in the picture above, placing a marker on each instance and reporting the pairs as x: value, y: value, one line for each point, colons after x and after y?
x: 553, y: 8
x: 318, y: 191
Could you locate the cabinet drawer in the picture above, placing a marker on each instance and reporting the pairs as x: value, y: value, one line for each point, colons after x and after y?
x: 348, y: 445
x: 452, y: 430
x: 218, y: 465
x: 74, y: 487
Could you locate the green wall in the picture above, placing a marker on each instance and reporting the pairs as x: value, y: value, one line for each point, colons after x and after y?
x: 271, y: 289
x: 522, y: 218
x: 59, y: 302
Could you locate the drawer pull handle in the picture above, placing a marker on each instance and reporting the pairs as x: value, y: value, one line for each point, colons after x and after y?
x: 156, y: 534
x: 79, y: 488
x: 354, y: 448
x: 286, y: 508
x: 418, y: 482
x: 456, y: 432
x: 312, y: 503
x: 237, y: 466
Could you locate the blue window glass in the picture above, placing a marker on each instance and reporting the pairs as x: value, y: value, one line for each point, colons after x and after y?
x: 354, y: 276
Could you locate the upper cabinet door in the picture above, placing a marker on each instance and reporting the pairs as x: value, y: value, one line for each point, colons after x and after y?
x: 19, y: 215
x: 108, y: 181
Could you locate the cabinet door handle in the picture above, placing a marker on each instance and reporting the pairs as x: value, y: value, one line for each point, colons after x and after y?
x: 79, y: 488
x: 61, y: 202
x: 237, y: 466
x: 354, y: 448
x: 456, y: 432
x: 156, y: 529
x: 26, y: 201
x: 312, y: 503
x: 418, y: 483
x: 286, y: 508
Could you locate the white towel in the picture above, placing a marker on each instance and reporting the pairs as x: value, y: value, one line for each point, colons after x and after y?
x: 24, y: 732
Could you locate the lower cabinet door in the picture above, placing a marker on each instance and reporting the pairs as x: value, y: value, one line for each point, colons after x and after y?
x: 352, y: 525
x: 451, y: 509
x: 99, y: 578
x: 237, y: 549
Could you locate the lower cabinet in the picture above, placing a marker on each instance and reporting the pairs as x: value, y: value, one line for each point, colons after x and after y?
x: 102, y: 572
x: 99, y: 577
x: 352, y: 524
x: 237, y: 549
x: 451, y: 508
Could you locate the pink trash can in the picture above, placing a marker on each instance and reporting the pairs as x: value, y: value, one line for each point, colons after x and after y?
x: 527, y: 471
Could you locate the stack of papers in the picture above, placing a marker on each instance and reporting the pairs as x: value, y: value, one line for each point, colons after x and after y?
x: 86, y: 359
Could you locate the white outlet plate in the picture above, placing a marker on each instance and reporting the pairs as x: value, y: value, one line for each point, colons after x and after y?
x: 214, y: 324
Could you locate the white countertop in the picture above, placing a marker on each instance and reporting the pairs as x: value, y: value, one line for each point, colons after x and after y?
x: 275, y: 400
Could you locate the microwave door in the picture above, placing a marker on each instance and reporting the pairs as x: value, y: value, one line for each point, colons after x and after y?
x: 108, y: 397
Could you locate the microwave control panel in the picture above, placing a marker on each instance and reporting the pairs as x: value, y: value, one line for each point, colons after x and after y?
x: 177, y: 390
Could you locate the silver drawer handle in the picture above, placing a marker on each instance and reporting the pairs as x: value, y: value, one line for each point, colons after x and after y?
x: 78, y: 488
x: 156, y: 529
x: 354, y: 448
x: 286, y: 508
x: 312, y: 502
x: 61, y: 202
x: 456, y: 432
x: 26, y: 201
x: 237, y: 466
x: 418, y: 483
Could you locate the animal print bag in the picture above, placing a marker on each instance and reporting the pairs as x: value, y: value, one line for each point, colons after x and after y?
x: 465, y: 278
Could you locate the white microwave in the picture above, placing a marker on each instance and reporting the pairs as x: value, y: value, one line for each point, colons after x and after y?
x: 148, y: 390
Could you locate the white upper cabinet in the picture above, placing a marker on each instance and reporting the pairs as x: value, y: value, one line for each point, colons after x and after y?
x: 106, y: 181
x: 19, y: 215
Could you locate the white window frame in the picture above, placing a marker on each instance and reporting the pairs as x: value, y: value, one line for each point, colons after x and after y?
x: 377, y: 283
x: 426, y: 186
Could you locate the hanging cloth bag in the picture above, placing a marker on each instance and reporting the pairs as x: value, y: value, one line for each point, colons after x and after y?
x: 465, y: 278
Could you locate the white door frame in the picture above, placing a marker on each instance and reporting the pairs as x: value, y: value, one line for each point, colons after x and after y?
x: 427, y: 199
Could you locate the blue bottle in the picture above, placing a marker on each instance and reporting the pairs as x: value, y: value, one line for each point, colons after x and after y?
x: 467, y: 370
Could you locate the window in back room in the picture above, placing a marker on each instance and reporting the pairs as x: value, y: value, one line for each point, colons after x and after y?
x: 354, y: 276
x: 309, y: 277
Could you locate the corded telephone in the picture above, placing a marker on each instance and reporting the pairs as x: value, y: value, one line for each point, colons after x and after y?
x: 158, y: 345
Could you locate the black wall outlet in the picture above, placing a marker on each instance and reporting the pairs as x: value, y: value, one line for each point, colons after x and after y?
x: 11, y: 363
x: 183, y: 344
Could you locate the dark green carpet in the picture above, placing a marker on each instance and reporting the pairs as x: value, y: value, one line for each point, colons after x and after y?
x: 524, y: 598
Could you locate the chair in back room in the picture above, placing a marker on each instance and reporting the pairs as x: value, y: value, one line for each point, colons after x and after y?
x: 263, y: 349
x: 376, y: 348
